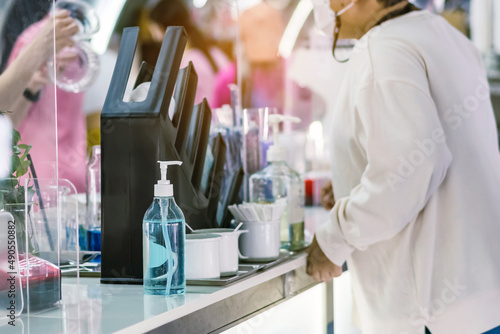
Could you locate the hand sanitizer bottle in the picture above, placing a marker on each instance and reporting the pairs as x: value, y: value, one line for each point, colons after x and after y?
x: 163, y: 240
x: 278, y: 181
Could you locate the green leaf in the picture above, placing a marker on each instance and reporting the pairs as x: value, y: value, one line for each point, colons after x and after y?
x: 14, y: 164
x: 25, y: 154
x: 13, y: 183
x: 11, y: 190
x: 23, y: 168
x: 16, y: 137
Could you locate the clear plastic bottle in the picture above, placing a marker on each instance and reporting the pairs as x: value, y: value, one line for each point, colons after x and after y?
x: 163, y: 242
x: 93, y: 223
x: 278, y: 181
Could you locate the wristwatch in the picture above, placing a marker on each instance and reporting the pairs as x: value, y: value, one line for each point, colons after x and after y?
x: 30, y: 96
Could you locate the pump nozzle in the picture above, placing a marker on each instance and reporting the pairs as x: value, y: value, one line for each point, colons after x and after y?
x: 164, y: 188
x: 276, y: 152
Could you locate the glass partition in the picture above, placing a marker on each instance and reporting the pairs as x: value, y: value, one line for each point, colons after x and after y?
x: 46, y: 64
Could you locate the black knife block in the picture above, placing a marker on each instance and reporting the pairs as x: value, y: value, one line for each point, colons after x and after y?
x: 134, y: 136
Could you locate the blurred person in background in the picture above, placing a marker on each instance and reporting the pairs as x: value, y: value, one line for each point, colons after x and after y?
x: 29, y: 66
x: 22, y: 70
x: 17, y: 15
x: 95, y: 95
x: 207, y: 59
x: 34, y: 109
x: 261, y: 29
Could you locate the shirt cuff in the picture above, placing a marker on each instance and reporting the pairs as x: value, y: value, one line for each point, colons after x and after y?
x: 331, y: 240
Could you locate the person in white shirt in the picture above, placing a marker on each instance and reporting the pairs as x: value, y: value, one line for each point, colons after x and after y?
x: 415, y: 173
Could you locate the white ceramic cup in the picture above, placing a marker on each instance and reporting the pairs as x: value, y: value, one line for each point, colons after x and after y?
x: 229, y: 252
x: 262, y: 242
x: 202, y: 256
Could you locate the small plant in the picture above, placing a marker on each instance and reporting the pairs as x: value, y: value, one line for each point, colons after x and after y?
x: 13, y: 192
x: 11, y: 189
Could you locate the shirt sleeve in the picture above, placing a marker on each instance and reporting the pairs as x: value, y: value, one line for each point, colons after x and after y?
x: 407, y: 159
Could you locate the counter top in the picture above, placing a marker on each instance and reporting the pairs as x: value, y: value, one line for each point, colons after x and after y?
x: 91, y: 307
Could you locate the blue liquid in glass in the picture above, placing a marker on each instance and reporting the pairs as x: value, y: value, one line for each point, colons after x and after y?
x: 82, y: 237
x: 94, y: 239
x: 156, y: 272
x: 94, y: 242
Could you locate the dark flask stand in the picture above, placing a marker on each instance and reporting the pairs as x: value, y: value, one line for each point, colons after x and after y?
x: 134, y: 136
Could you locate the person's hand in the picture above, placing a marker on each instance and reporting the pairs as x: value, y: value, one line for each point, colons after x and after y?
x: 39, y: 80
x: 63, y: 27
x: 319, y: 266
x: 64, y: 58
x: 327, y: 198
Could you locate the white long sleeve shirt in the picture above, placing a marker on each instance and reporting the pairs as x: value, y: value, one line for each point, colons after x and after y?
x: 416, y: 175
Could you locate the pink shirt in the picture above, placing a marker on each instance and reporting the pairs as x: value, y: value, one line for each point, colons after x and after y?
x: 38, y: 128
x: 222, y: 93
x: 206, y: 75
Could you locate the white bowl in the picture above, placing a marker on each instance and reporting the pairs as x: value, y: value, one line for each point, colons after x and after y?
x: 202, y: 256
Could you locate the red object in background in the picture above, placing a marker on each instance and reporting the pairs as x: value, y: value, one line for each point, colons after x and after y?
x: 38, y: 271
x: 309, y: 186
x: 314, y: 181
x: 44, y: 280
x: 41, y: 277
x: 4, y: 284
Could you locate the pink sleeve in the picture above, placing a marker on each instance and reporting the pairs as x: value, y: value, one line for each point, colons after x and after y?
x: 25, y: 39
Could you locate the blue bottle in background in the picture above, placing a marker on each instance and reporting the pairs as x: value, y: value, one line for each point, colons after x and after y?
x: 93, y: 194
x: 163, y: 241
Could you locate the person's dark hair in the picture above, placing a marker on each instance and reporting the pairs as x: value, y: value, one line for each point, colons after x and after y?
x: 175, y: 13
x: 22, y: 14
x: 389, y: 3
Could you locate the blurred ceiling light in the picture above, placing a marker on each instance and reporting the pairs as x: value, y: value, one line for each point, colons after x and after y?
x: 299, y: 17
x: 108, y: 12
x: 315, y: 135
x: 439, y: 4
x: 239, y: 6
x: 315, y: 131
x: 199, y: 3
x: 245, y: 4
x: 279, y: 4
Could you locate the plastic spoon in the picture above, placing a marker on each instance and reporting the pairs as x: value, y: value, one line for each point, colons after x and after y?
x: 238, y: 227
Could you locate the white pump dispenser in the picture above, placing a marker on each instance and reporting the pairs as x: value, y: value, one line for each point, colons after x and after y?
x: 276, y: 152
x: 164, y: 188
